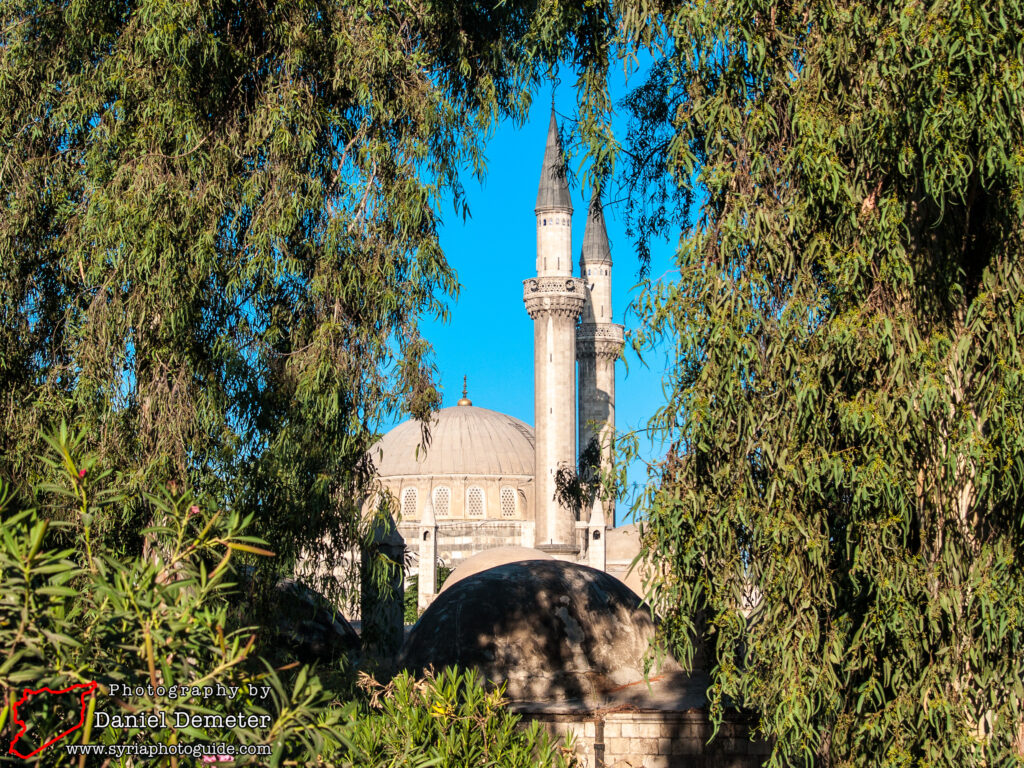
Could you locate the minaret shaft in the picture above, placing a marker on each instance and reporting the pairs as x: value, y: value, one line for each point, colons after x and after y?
x: 554, y: 304
x: 427, y: 590
x: 599, y: 343
x: 554, y: 338
x: 554, y: 243
x: 597, y: 398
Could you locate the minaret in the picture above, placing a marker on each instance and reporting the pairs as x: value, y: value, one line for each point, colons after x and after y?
x: 428, y: 558
x: 598, y: 343
x: 554, y: 300
x: 597, y: 548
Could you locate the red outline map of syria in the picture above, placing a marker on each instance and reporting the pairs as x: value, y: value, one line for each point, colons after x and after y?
x: 85, y: 688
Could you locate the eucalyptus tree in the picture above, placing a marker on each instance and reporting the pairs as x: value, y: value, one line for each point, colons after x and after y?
x: 219, y: 229
x: 841, y: 504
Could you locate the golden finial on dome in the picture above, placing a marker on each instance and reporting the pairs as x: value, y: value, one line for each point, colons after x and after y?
x: 465, y: 400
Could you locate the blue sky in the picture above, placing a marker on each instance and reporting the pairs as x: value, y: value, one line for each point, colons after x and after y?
x: 489, y: 337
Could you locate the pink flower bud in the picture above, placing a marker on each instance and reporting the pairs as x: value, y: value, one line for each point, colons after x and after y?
x: 193, y: 510
x: 81, y: 473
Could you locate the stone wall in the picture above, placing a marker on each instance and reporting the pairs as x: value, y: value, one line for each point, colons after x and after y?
x: 651, y: 739
x: 458, y: 540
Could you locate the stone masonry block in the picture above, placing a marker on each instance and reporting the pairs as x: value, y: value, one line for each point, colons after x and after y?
x: 616, y: 747
x: 644, y: 746
x: 649, y: 730
x: 693, y: 730
x: 630, y: 729
x: 641, y: 729
x: 685, y: 746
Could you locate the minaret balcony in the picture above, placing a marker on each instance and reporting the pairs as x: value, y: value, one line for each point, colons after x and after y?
x: 562, y: 296
x: 599, y: 340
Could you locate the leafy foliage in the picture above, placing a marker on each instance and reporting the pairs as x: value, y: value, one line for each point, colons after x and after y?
x: 449, y: 720
x: 83, y: 613
x: 218, y: 232
x: 842, y: 501
x: 412, y: 613
x: 576, y: 488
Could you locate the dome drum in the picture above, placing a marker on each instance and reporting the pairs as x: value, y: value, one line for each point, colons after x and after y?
x: 466, y: 497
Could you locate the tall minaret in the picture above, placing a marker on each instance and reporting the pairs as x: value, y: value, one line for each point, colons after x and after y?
x: 598, y: 343
x: 554, y: 300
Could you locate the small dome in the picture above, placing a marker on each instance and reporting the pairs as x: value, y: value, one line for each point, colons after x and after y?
x: 306, y: 626
x: 464, y: 440
x: 492, y: 558
x: 553, y: 630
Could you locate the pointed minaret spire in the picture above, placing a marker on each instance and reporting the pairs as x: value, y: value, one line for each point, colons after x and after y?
x: 553, y: 192
x: 595, y: 267
x: 595, y: 236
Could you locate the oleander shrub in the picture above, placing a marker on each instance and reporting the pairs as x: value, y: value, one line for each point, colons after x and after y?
x: 451, y: 719
x: 74, y: 611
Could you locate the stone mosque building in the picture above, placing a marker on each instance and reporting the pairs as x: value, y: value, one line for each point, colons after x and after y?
x: 485, y: 484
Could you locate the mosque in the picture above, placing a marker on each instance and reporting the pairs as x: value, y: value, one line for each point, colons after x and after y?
x: 483, y: 489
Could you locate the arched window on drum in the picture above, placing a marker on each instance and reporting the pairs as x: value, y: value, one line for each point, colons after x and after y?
x: 508, y: 503
x: 409, y: 504
x: 475, y: 502
x: 442, y: 501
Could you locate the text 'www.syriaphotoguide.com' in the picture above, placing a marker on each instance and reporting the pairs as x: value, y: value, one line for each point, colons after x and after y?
x: 206, y: 750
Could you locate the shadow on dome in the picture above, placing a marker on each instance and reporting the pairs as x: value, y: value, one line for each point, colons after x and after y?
x: 492, y: 558
x: 554, y: 632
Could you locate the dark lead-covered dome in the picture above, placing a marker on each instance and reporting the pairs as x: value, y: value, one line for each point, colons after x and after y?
x: 554, y: 631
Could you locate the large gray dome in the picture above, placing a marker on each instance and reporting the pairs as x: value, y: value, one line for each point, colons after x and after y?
x: 552, y: 630
x: 464, y: 440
